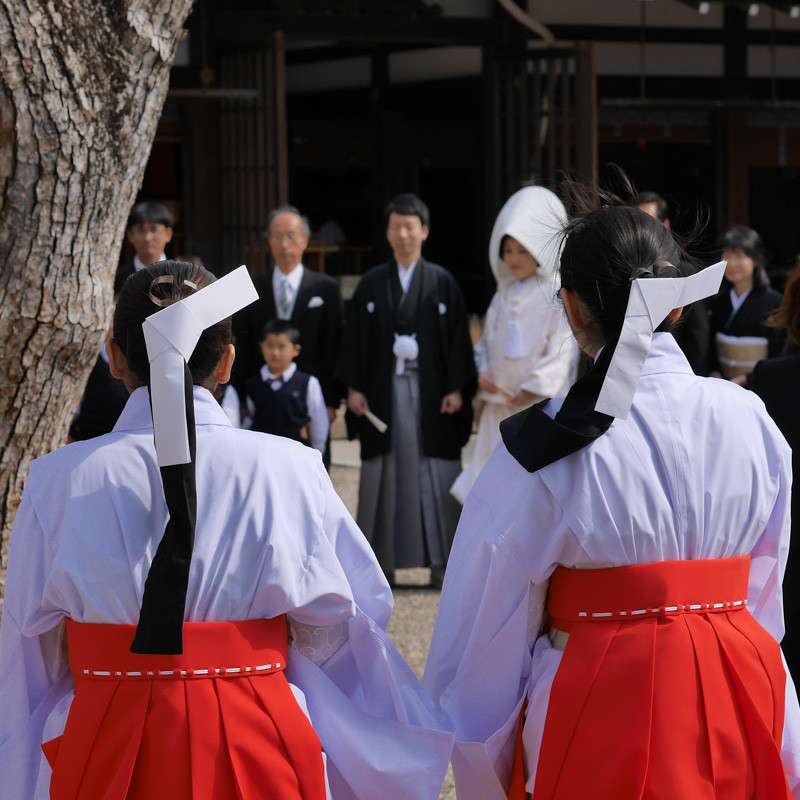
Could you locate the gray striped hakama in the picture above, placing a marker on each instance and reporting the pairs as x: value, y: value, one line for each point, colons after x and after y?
x: 404, y: 504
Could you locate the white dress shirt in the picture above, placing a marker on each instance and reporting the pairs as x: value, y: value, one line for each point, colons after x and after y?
x: 318, y: 425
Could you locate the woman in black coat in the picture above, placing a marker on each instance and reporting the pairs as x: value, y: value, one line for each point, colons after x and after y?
x: 777, y: 382
x: 740, y: 310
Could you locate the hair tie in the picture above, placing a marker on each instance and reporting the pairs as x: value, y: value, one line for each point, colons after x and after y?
x: 645, y: 273
x: 159, y: 301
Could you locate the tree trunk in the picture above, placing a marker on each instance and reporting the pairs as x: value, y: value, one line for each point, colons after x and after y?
x: 82, y: 85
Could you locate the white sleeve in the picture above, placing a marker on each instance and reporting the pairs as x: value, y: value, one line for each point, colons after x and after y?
x: 34, y: 669
x: 551, y: 370
x: 489, y: 617
x: 318, y: 411
x: 765, y: 603
x: 232, y: 406
x: 381, y: 734
x: 247, y: 422
x: 484, y: 343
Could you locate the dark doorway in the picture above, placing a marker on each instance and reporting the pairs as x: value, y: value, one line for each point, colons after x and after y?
x: 774, y: 211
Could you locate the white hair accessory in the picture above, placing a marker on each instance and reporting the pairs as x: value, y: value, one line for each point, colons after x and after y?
x: 171, y: 336
x: 648, y: 305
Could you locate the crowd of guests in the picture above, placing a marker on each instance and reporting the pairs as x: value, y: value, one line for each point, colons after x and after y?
x: 617, y: 546
x: 413, y: 409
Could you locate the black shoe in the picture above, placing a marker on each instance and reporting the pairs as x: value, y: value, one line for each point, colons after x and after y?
x: 437, y: 577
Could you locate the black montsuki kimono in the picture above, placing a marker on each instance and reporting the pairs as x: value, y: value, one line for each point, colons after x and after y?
x: 446, y: 363
x: 404, y: 506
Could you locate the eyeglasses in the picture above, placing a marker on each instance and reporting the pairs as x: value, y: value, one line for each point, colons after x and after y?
x: 148, y: 230
x: 280, y: 237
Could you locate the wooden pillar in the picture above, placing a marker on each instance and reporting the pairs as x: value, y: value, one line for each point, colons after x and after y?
x: 732, y: 132
x: 586, y: 137
x: 201, y: 189
x: 279, y: 121
x: 383, y: 165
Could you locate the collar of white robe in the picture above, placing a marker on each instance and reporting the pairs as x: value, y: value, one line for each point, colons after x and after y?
x: 649, y: 303
x: 171, y: 336
x: 535, y: 439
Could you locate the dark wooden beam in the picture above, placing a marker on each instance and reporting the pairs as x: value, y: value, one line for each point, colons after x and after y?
x: 243, y: 26
x: 664, y: 35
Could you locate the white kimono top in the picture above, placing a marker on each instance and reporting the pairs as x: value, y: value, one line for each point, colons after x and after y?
x: 272, y: 537
x: 544, y: 364
x: 697, y: 470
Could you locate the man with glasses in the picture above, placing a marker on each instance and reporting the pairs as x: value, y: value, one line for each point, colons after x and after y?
x: 149, y: 230
x: 310, y: 300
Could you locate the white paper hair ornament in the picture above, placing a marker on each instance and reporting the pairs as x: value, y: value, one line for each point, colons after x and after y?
x: 171, y: 336
x: 651, y: 299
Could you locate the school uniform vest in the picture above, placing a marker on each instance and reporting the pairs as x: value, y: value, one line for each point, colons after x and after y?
x: 283, y: 411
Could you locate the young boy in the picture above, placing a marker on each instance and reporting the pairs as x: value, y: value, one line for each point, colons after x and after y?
x: 149, y: 230
x: 281, y: 399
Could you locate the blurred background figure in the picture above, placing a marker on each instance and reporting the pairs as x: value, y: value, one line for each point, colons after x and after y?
x: 149, y: 231
x: 691, y: 333
x: 739, y: 335
x: 407, y: 359
x: 311, y: 301
x: 527, y: 352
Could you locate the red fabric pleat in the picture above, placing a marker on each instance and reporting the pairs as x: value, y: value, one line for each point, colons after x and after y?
x: 187, y: 726
x: 300, y: 743
x: 660, y: 694
x: 212, y: 772
x: 516, y: 786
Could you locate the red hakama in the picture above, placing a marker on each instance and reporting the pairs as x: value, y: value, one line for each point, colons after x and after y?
x: 217, y: 722
x: 668, y: 688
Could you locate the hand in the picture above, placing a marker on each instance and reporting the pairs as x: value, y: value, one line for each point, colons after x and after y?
x: 521, y: 398
x: 331, y: 414
x: 487, y: 384
x: 357, y: 402
x: 451, y: 402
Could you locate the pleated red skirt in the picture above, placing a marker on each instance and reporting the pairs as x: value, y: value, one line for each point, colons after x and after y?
x: 668, y: 688
x: 218, y: 722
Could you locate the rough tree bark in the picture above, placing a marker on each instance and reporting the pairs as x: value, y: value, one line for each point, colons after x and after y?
x: 82, y: 85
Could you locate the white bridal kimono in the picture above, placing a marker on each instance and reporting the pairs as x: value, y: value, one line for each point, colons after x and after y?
x: 697, y: 470
x: 272, y: 538
x: 526, y: 344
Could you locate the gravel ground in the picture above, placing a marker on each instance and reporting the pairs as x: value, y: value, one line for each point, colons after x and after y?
x: 411, y: 625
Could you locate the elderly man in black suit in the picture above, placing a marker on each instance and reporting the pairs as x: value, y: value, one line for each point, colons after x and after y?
x: 310, y: 300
